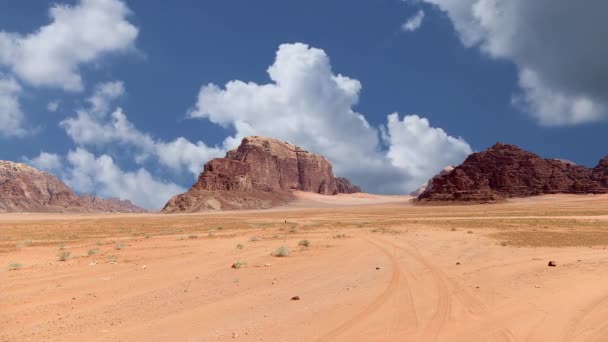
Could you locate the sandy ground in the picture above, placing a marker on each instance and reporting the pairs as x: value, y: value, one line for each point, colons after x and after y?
x: 377, y: 268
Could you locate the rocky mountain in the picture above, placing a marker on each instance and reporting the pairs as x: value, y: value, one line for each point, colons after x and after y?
x: 26, y: 189
x: 260, y: 173
x: 504, y: 171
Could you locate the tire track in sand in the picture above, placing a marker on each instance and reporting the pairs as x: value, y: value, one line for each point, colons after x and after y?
x: 397, y: 283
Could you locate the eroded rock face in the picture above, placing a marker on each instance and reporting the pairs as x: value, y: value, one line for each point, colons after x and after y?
x: 504, y: 171
x: 26, y: 189
x: 428, y: 184
x: 260, y: 166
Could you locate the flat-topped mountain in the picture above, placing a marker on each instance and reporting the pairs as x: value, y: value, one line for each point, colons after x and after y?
x: 26, y: 189
x: 504, y: 171
x: 260, y: 173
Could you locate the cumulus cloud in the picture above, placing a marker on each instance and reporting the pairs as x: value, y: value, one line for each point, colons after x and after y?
x: 79, y: 34
x: 49, y: 162
x: 412, y: 141
x: 97, y: 126
x: 557, y: 46
x: 86, y: 173
x: 53, y: 106
x: 11, y: 116
x: 306, y: 103
x: 414, y: 22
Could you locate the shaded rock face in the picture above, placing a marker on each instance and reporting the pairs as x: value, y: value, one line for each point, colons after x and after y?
x: 504, y: 171
x: 261, y: 165
x: 26, y: 189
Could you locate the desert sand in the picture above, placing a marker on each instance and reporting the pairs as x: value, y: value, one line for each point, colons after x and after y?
x: 377, y: 268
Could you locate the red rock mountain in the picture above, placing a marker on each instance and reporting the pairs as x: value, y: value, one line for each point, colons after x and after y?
x: 26, y: 189
x: 504, y: 171
x: 260, y: 173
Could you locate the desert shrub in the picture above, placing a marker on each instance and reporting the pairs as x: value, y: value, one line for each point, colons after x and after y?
x: 92, y: 251
x: 282, y: 251
x: 304, y: 243
x: 240, y: 246
x: 14, y: 266
x: 119, y: 246
x: 238, y: 264
x: 192, y: 236
x: 339, y: 236
x: 254, y: 239
x: 112, y: 258
x: 63, y: 256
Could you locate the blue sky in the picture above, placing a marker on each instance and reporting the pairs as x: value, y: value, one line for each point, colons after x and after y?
x: 461, y: 77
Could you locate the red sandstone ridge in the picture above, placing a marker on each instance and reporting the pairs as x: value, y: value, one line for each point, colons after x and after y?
x: 505, y: 171
x: 260, y: 173
x: 26, y: 189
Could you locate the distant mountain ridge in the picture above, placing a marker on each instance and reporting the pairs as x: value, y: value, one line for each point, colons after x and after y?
x: 26, y: 189
x: 505, y: 171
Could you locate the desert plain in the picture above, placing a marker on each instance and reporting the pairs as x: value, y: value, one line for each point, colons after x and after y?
x: 364, y: 267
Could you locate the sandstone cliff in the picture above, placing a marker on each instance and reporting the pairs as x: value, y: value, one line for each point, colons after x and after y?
x: 260, y: 173
x: 504, y: 171
x: 26, y: 189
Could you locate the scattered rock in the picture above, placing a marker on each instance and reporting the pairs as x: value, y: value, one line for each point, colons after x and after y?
x: 552, y: 264
x: 295, y: 298
x: 235, y: 335
x: 457, y: 263
x: 377, y: 268
x: 266, y: 265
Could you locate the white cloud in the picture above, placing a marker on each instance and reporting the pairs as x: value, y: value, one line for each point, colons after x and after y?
x: 86, y: 173
x: 557, y: 45
x: 100, y: 175
x: 413, y: 23
x: 419, y: 149
x: 307, y: 104
x: 11, y: 116
x: 53, y: 106
x: 96, y: 126
x: 48, y: 162
x: 77, y: 34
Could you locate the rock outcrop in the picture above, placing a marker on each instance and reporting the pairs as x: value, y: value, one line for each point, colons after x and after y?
x: 26, y: 189
x: 505, y: 171
x: 260, y: 173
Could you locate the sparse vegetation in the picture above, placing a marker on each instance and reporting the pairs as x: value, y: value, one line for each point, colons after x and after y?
x: 14, y: 266
x: 453, y: 229
x: 240, y: 246
x: 238, y: 264
x: 61, y: 246
x: 254, y: 239
x: 119, y: 246
x: 469, y: 232
x: 192, y: 236
x: 282, y: 251
x: 339, y: 236
x: 304, y: 243
x: 211, y: 233
x: 112, y: 258
x: 92, y: 251
x: 63, y: 256
x: 504, y: 243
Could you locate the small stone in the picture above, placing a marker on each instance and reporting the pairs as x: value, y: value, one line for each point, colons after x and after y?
x: 457, y: 263
x: 144, y: 267
x: 235, y: 335
x: 377, y: 268
x: 552, y: 264
x: 266, y: 265
x: 295, y: 298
